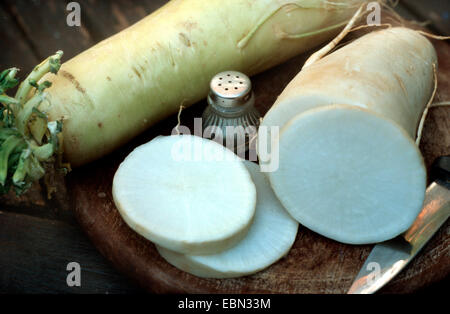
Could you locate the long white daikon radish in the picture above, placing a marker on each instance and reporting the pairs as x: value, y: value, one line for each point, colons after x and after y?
x: 186, y: 193
x: 270, y: 238
x: 123, y: 85
x: 349, y: 167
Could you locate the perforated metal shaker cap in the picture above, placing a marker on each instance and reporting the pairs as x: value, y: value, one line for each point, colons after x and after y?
x: 230, y: 91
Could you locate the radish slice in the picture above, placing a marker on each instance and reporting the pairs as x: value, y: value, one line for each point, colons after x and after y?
x: 186, y: 193
x: 270, y: 237
x: 349, y: 174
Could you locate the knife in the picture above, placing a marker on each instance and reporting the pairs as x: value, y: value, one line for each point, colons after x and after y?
x: 388, y: 258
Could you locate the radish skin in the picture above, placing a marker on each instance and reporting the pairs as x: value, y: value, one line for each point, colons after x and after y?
x: 120, y: 87
x: 270, y: 237
x: 185, y: 193
x: 349, y: 168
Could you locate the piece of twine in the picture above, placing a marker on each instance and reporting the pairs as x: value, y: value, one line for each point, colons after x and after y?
x: 179, y: 119
x: 427, y: 107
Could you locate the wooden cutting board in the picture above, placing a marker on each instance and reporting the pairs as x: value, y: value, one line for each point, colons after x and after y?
x: 314, y: 265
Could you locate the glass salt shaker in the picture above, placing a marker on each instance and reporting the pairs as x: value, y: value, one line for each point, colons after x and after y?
x: 231, y: 113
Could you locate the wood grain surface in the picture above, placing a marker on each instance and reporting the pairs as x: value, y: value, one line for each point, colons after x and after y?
x: 35, y: 254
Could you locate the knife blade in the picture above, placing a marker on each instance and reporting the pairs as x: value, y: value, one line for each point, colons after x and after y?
x: 387, y: 259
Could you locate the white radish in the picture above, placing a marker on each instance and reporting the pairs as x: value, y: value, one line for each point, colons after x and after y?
x: 270, y: 238
x: 349, y: 168
x: 128, y: 82
x: 186, y: 193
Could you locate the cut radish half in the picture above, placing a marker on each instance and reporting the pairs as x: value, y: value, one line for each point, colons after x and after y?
x: 353, y: 173
x: 349, y: 174
x: 186, y: 193
x: 270, y: 237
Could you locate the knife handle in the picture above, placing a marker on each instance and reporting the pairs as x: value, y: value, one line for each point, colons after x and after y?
x: 440, y: 171
x: 436, y: 209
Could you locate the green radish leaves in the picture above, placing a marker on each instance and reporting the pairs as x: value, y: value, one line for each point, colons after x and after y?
x: 7, y: 80
x: 55, y: 64
x: 28, y: 141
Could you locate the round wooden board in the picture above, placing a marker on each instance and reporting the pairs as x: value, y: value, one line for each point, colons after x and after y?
x: 314, y: 265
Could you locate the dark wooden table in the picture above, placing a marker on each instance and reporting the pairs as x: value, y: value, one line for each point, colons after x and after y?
x: 38, y: 238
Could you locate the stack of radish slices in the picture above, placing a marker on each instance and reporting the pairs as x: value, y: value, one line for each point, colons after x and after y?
x: 208, y: 212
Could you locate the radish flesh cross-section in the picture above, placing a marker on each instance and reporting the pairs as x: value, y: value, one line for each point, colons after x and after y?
x: 186, y: 193
x: 358, y: 180
x: 270, y: 238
